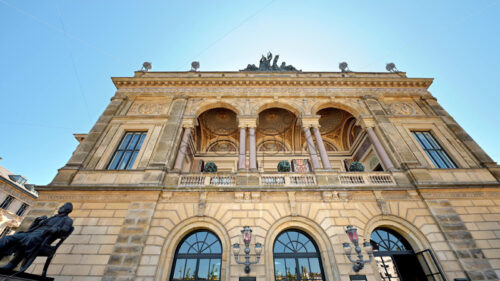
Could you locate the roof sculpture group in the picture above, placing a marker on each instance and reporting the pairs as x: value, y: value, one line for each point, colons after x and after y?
x: 265, y: 65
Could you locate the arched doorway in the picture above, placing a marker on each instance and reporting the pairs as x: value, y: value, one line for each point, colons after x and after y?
x: 198, y: 257
x: 396, y: 260
x: 296, y: 257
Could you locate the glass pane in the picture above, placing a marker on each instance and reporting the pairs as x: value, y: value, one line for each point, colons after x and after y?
x: 304, y: 269
x: 141, y: 140
x: 184, y: 248
x: 190, y: 270
x: 315, y: 269
x: 423, y: 142
x: 430, y: 138
x: 214, y: 273
x: 132, y: 160
x: 279, y: 247
x: 447, y: 160
x: 436, y: 159
x: 203, y: 268
x: 179, y: 269
x: 133, y: 141
x: 210, y: 239
x: 116, y: 159
x: 194, y: 249
x: 215, y: 248
x: 279, y: 269
x: 125, y: 141
x: 291, y: 271
x: 124, y: 160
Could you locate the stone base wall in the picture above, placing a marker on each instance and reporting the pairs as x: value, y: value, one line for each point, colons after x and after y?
x: 133, y: 235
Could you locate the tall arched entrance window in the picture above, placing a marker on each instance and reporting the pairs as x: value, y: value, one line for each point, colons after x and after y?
x: 396, y: 260
x: 198, y: 257
x: 296, y: 257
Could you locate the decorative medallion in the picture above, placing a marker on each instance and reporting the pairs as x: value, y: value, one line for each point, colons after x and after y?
x: 275, y: 121
x: 219, y: 121
x: 403, y: 108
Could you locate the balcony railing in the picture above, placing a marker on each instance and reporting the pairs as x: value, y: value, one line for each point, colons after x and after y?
x: 290, y: 179
x: 206, y: 180
x: 366, y: 179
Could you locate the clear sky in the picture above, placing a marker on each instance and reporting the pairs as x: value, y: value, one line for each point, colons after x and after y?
x: 57, y: 57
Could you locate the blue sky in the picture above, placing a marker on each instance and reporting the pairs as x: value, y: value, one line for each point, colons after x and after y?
x: 58, y: 56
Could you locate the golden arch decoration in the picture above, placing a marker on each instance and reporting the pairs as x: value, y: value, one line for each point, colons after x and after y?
x: 278, y: 104
x: 216, y: 104
x: 348, y: 108
x: 184, y: 228
x: 314, y: 231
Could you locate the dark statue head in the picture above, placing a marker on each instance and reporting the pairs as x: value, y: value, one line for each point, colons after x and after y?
x: 66, y: 208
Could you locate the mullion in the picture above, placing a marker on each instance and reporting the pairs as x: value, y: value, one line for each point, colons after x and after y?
x: 125, y: 156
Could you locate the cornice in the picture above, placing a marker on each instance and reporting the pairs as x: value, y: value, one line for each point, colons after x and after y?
x: 340, y: 82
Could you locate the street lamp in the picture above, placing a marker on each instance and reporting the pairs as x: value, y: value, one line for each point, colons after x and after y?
x: 352, y: 232
x: 247, y: 237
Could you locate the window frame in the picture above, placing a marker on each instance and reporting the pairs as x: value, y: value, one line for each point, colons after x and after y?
x: 143, y: 134
x: 440, y: 151
x: 196, y: 256
x: 10, y: 199
x: 297, y: 256
x: 24, y: 207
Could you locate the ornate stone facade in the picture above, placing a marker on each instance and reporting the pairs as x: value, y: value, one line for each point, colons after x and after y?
x: 130, y: 223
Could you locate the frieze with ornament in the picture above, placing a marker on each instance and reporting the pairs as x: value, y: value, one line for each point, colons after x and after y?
x: 275, y: 90
x: 148, y: 108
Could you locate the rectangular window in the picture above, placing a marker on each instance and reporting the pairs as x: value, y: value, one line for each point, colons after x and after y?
x: 22, y: 209
x: 6, y: 203
x: 5, y: 232
x: 434, y: 150
x: 127, y: 151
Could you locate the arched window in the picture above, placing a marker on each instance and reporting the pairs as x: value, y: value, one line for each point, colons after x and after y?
x: 198, y: 257
x: 296, y: 257
x: 395, y: 258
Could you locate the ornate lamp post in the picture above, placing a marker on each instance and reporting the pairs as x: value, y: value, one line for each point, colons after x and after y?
x: 352, y: 232
x: 247, y: 237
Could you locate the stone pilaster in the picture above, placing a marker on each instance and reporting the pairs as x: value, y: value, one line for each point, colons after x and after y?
x: 165, y: 152
x: 131, y: 243
x: 470, y: 256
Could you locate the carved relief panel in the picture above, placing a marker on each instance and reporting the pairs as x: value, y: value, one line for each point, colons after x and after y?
x: 149, y: 107
x: 403, y: 108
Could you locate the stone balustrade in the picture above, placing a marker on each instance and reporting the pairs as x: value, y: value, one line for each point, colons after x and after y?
x: 288, y: 179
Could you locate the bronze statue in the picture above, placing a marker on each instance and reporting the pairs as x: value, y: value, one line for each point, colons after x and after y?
x: 265, y: 65
x: 37, y: 240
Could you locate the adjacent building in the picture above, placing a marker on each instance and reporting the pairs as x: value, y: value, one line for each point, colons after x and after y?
x: 149, y: 204
x: 16, y: 197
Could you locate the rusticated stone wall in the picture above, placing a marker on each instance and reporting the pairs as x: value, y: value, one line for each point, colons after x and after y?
x: 133, y: 235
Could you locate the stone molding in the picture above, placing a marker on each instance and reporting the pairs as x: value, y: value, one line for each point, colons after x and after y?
x: 274, y: 81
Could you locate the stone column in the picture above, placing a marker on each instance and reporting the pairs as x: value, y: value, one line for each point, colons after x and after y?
x: 321, y: 148
x: 253, y: 149
x: 382, y: 154
x: 181, y: 154
x: 312, y: 149
x: 242, y: 165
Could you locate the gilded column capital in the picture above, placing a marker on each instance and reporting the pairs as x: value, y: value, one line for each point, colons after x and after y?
x: 310, y: 121
x: 247, y: 121
x: 189, y: 122
x: 366, y: 122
